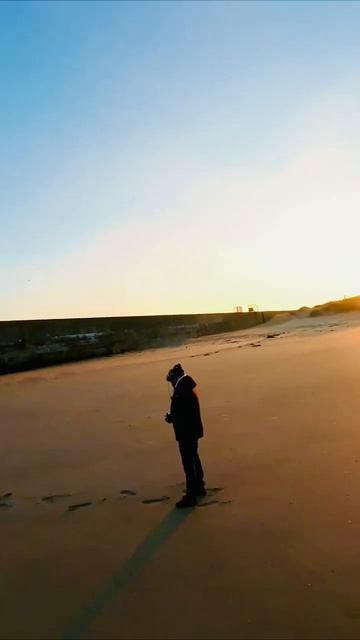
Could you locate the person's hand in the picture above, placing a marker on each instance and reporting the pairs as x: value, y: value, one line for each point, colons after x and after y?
x: 168, y: 418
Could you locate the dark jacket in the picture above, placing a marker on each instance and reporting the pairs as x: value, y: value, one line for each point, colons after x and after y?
x: 185, y: 411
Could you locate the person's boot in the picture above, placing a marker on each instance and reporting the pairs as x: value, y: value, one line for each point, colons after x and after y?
x: 201, y: 492
x: 186, y: 501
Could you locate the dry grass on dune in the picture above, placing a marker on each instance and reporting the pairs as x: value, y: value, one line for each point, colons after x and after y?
x: 336, y: 306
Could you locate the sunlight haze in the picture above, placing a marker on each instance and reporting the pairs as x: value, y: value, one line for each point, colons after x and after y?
x: 177, y: 157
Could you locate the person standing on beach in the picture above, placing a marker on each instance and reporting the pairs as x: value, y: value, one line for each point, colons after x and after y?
x: 185, y: 417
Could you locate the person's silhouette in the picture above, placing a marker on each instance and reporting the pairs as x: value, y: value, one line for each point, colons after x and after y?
x: 185, y: 417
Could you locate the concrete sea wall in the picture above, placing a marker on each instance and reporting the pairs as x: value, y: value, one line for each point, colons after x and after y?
x: 28, y: 344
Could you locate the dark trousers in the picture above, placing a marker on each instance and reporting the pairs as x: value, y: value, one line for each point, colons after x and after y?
x: 192, y: 466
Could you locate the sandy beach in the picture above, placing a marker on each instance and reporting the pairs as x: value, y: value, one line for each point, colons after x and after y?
x: 271, y: 552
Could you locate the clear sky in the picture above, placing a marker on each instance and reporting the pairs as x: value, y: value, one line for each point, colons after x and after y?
x: 177, y: 157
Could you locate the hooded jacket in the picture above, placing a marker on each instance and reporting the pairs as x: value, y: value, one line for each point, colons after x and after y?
x: 185, y: 410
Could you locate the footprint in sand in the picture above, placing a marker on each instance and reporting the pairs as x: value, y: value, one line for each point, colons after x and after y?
x: 5, y: 505
x: 4, y: 501
x: 56, y: 496
x: 210, y: 491
x: 152, y: 500
x: 74, y: 507
x: 208, y: 503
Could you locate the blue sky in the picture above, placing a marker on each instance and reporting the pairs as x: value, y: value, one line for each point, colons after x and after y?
x: 156, y: 156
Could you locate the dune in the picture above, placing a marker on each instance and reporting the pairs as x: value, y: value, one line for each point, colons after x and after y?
x: 337, y: 306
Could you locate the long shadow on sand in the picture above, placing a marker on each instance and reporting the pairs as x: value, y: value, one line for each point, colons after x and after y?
x: 79, y: 626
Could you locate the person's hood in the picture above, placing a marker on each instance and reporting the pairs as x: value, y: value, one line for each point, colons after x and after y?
x: 186, y: 383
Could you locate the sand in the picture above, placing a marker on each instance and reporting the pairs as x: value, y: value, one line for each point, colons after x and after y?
x: 273, y: 550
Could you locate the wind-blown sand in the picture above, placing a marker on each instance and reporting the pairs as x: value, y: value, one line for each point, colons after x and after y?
x: 273, y: 554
